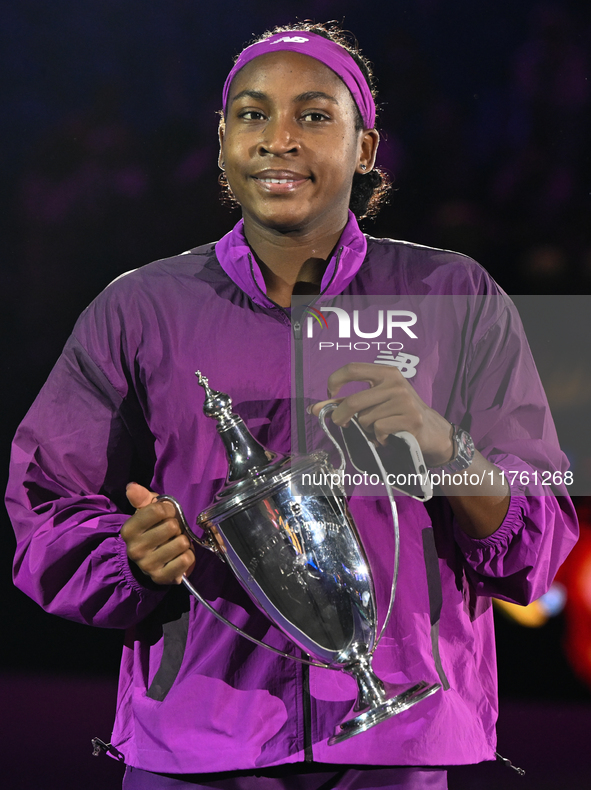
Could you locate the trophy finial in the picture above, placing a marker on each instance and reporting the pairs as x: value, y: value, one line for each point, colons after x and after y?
x: 246, y: 456
x: 203, y: 380
x: 217, y: 405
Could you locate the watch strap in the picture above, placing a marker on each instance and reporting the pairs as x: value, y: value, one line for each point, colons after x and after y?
x: 464, y: 452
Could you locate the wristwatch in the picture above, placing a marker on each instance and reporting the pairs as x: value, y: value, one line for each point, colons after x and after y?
x: 464, y: 448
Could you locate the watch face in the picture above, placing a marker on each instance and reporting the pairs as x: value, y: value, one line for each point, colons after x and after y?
x: 465, y: 452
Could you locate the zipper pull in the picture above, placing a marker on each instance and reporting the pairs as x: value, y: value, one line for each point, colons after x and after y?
x: 297, y: 330
x: 99, y: 746
x: 508, y: 764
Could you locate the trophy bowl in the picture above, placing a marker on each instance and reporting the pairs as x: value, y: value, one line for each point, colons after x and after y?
x: 295, y: 549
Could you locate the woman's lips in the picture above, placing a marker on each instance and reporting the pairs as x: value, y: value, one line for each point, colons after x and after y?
x: 277, y: 183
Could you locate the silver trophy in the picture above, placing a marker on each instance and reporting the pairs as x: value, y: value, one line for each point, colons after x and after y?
x: 297, y: 553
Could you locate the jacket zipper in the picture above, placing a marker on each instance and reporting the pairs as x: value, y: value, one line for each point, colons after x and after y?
x: 302, y: 449
x: 302, y: 446
x: 508, y: 764
x: 299, y: 365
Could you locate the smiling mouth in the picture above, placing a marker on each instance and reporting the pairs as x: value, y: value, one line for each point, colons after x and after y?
x: 279, y: 180
x: 281, y: 183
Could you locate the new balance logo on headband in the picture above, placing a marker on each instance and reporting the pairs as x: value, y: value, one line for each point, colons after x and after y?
x: 291, y: 40
x: 323, y: 49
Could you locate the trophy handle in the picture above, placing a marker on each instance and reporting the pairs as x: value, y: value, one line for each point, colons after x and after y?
x: 395, y: 526
x: 211, y: 546
x: 208, y: 543
x: 322, y: 419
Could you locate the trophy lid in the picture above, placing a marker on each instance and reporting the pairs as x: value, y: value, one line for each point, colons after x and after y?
x: 247, y: 458
x: 253, y: 471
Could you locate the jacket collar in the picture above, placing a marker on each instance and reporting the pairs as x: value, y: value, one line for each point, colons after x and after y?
x: 236, y: 259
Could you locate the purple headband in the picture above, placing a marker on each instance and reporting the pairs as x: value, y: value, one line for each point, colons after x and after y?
x: 332, y: 55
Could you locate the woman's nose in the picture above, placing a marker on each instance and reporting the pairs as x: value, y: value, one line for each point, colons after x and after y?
x: 279, y: 137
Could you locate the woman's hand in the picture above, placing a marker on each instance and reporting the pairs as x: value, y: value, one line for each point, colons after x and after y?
x: 154, y: 539
x: 390, y: 405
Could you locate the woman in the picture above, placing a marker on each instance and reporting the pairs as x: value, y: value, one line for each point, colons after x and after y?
x: 196, y: 701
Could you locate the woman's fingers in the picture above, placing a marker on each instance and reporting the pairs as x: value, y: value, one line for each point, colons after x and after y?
x: 166, y: 563
x: 139, y: 496
x: 317, y: 407
x: 388, y: 396
x: 389, y: 405
x: 360, y: 371
x: 154, y: 539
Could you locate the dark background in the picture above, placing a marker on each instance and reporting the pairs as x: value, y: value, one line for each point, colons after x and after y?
x: 109, y: 147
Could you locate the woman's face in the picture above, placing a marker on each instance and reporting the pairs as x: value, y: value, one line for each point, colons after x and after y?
x: 289, y: 146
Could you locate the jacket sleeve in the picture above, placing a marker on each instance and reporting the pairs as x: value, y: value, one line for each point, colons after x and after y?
x: 72, y: 457
x: 509, y: 419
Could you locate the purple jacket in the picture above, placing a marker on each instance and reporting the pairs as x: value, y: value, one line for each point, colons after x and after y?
x: 122, y: 404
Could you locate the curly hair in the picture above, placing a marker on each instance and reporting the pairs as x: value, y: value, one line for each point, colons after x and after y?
x: 369, y: 191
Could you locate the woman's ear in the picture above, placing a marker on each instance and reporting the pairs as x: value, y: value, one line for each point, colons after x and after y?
x: 370, y: 139
x: 221, y: 132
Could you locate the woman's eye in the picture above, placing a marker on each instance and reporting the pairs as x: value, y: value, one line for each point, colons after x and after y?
x: 252, y: 115
x: 314, y: 117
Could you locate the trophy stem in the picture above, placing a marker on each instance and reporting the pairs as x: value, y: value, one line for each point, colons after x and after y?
x: 376, y: 700
x: 370, y: 689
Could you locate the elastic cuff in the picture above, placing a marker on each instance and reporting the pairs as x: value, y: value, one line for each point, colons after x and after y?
x: 511, y: 525
x: 134, y: 578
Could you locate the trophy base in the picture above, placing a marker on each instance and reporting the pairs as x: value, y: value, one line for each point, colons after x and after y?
x: 383, y: 710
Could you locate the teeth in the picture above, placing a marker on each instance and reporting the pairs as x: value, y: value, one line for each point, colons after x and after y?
x: 277, y: 180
